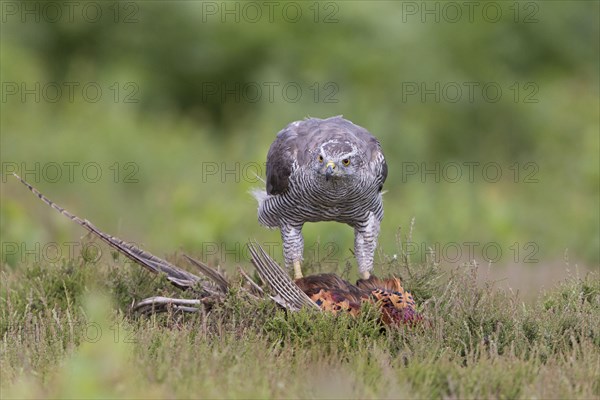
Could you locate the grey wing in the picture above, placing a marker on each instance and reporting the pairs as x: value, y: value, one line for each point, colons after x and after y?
x: 374, y: 153
x: 280, y: 160
x: 380, y: 166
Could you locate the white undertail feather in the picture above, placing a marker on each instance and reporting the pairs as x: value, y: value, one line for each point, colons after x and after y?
x: 259, y: 194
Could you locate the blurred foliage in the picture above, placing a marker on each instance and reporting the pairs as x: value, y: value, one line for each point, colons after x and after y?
x: 171, y: 57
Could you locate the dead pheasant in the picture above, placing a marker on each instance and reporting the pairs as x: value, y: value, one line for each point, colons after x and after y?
x: 331, y: 293
x: 324, y: 292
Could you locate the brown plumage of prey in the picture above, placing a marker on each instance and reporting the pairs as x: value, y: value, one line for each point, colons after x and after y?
x: 324, y: 170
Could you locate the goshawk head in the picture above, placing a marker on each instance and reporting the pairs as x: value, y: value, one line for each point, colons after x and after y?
x: 337, y: 159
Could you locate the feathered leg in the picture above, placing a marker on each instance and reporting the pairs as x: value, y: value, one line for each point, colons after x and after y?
x: 365, y: 242
x: 293, y: 247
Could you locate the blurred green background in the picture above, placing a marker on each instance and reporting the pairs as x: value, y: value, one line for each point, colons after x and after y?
x: 176, y: 104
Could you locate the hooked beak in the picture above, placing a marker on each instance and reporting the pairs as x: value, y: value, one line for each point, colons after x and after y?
x: 329, y: 171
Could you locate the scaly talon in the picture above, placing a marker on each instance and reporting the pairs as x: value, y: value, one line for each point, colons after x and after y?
x: 297, y: 270
x: 365, y: 275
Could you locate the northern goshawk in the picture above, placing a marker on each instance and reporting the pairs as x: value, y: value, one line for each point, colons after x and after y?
x: 324, y: 170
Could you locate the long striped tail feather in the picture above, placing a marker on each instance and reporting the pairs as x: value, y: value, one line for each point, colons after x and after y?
x: 176, y: 276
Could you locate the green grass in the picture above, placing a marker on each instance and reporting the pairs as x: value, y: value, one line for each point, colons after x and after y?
x: 67, y: 332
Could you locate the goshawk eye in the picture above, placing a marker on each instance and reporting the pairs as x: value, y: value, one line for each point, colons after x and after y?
x: 320, y: 158
x: 346, y: 162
